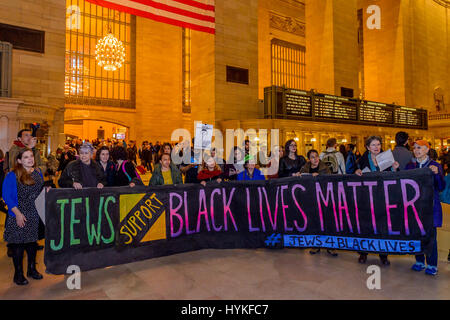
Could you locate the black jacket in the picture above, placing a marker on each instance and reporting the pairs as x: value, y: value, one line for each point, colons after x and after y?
x: 72, y: 173
x: 147, y: 155
x: 109, y: 173
x: 288, y: 166
x: 363, y: 162
x: 124, y: 179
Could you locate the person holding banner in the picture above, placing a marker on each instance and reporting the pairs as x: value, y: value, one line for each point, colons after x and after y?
x: 103, y: 158
x: 21, y: 187
x: 368, y: 162
x: 235, y: 164
x: 219, y: 161
x: 250, y: 173
x: 422, y: 160
x: 316, y: 167
x: 125, y: 173
x: 190, y: 169
x: 83, y: 172
x: 291, y: 163
x: 209, y: 171
x: 165, y: 172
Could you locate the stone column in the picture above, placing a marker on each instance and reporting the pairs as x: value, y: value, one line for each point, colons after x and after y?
x: 56, y: 132
x: 332, y: 57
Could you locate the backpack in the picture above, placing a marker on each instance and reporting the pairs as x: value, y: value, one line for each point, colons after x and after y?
x: 126, y: 173
x: 331, y: 161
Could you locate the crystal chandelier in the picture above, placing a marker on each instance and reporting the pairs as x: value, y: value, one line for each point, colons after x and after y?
x: 110, y: 53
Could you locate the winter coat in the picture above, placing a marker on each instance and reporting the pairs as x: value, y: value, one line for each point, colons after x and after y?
x: 130, y: 175
x: 9, y: 191
x: 439, y: 186
x: 257, y: 175
x: 403, y: 156
x: 157, y: 178
x: 208, y: 176
x: 323, y: 168
x: 72, y: 174
x: 365, y: 162
x: 287, y: 166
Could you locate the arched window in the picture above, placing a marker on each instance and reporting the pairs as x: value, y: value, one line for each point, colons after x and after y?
x: 85, y: 82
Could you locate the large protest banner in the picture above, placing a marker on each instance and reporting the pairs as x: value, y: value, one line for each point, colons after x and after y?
x: 378, y: 212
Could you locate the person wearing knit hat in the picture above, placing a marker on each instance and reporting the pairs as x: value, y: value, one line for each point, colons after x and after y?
x: 83, y: 172
x: 422, y: 160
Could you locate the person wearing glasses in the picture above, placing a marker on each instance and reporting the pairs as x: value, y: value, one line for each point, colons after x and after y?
x: 291, y: 163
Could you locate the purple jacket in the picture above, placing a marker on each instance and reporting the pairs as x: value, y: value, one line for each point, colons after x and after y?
x: 439, y: 186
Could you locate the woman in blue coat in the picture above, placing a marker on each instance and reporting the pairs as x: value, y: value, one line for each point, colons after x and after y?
x: 21, y: 187
x: 422, y: 160
x: 250, y: 173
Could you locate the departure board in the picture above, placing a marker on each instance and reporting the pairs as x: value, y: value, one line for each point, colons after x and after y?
x: 376, y: 112
x: 298, y: 103
x: 408, y: 117
x: 285, y: 103
x: 333, y: 107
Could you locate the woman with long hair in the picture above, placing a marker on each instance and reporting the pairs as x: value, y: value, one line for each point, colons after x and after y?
x: 20, y: 189
x: 165, y: 149
x: 235, y: 164
x: 103, y: 158
x: 291, y: 163
x: 125, y: 173
x: 209, y: 171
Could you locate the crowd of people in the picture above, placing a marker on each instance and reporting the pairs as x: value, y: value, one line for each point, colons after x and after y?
x: 97, y: 164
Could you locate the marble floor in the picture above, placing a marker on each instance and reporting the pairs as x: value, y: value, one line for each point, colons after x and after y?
x: 289, y: 274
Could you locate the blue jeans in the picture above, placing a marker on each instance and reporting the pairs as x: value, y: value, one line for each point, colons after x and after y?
x: 432, y: 260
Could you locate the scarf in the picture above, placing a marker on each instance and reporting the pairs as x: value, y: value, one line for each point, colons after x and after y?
x: 19, y: 144
x: 206, y: 174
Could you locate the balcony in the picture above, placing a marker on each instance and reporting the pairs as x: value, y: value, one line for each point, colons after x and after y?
x: 438, y: 116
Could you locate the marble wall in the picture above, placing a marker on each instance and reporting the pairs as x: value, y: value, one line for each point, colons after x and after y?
x: 37, y: 78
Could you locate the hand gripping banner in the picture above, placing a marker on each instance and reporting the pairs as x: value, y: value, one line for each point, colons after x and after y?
x: 377, y: 213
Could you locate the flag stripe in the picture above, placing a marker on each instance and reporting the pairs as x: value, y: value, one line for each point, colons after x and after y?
x: 126, y: 4
x: 184, y: 13
x: 205, y: 26
x: 177, y: 10
x: 197, y: 4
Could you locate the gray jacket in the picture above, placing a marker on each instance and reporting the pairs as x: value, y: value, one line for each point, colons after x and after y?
x: 403, y: 156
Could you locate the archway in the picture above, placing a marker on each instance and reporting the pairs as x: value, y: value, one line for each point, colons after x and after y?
x: 95, y: 129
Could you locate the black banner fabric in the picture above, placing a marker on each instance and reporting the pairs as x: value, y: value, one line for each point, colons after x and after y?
x: 378, y: 212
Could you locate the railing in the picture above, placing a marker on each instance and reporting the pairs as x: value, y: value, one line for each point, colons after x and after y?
x: 284, y: 103
x: 439, y: 116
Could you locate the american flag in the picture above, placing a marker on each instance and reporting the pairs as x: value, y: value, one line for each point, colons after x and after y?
x: 193, y: 14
